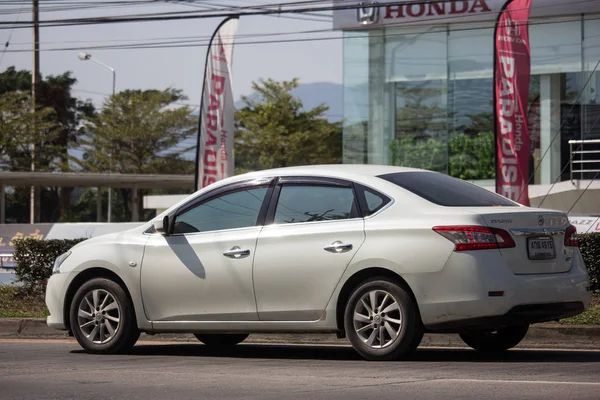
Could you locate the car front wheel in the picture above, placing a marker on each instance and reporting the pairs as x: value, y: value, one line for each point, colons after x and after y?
x: 382, y: 321
x: 102, y: 317
x: 496, y: 341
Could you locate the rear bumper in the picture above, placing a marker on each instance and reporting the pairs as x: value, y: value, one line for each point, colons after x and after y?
x: 465, y: 293
x: 518, y: 315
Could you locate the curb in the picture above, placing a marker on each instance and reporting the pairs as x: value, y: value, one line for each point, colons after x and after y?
x: 565, y: 336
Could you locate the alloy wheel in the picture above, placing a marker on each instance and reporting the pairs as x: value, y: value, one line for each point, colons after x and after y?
x: 99, y: 316
x: 377, y: 319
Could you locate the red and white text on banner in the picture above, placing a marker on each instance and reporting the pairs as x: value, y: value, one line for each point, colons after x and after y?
x: 217, y: 114
x: 512, y: 75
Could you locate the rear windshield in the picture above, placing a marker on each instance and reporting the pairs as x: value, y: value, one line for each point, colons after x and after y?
x: 446, y: 191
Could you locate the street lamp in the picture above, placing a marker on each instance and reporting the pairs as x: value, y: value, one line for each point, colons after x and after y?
x: 85, y: 57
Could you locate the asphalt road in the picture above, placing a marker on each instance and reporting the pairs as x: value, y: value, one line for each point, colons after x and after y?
x: 59, y: 370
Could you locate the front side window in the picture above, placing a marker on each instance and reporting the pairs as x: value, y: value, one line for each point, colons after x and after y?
x: 232, y: 210
x: 309, y: 203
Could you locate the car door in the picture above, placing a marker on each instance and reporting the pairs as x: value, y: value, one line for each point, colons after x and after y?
x: 203, y: 270
x: 312, y: 231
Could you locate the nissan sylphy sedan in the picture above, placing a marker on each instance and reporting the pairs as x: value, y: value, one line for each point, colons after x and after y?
x: 377, y: 254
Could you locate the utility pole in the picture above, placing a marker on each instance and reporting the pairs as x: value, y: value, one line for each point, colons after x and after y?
x: 34, y: 93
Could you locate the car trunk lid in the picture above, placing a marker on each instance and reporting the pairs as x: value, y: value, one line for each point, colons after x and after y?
x: 539, y: 237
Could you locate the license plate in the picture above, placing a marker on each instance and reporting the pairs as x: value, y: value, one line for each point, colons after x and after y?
x: 540, y: 248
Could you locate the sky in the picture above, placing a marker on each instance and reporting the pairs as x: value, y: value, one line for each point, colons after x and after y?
x: 181, y: 68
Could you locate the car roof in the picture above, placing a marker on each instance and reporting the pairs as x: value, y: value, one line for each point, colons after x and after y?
x: 355, y: 172
x: 330, y: 170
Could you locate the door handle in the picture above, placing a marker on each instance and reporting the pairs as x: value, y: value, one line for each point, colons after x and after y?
x: 237, y: 252
x: 338, y: 247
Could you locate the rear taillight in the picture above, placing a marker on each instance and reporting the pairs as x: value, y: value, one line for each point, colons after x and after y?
x: 571, y: 236
x: 476, y: 237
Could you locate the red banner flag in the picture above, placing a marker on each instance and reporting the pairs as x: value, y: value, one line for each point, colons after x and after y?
x: 214, y: 151
x: 512, y: 68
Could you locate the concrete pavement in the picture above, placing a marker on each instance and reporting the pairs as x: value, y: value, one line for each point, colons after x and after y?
x: 58, y: 369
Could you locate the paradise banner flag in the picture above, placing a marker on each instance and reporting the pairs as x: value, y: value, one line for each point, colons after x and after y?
x: 512, y: 70
x: 214, y: 149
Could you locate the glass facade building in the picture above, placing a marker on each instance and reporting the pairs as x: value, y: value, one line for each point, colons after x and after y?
x: 418, y: 85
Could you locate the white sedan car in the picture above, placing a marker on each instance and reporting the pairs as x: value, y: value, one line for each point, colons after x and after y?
x: 377, y: 254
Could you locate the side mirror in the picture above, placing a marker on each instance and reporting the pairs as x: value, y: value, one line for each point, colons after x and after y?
x: 162, y: 226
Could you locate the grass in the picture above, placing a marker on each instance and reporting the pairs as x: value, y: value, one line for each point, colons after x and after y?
x: 15, y: 304
x: 590, y: 317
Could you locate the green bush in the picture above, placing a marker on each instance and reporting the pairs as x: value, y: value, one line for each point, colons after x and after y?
x: 34, y: 260
x: 589, y: 243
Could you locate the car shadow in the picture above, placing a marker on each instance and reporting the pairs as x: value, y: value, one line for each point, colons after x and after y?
x: 346, y: 353
x: 186, y: 254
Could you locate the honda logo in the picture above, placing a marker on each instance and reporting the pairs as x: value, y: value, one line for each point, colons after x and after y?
x: 367, y: 15
x: 512, y: 27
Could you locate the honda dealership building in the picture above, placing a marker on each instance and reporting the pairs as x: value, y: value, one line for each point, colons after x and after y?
x: 418, y: 88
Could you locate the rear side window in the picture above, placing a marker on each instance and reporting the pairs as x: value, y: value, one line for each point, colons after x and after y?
x: 307, y: 203
x: 370, y: 200
x: 447, y: 191
x: 374, y: 202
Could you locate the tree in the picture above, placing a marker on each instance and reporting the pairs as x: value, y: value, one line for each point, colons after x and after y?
x: 274, y: 131
x: 63, y: 114
x: 481, y: 122
x: 20, y: 126
x: 12, y: 80
x: 420, y: 115
x: 139, y: 132
x: 469, y: 156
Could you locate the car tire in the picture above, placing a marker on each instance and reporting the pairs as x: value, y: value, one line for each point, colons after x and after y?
x: 496, y: 341
x: 392, y: 331
x: 221, y: 340
x: 103, y: 318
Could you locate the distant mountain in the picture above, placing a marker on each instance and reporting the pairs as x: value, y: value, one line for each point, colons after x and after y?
x: 315, y: 94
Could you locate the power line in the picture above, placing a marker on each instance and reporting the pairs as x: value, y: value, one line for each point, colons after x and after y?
x: 584, y: 190
x: 218, y: 7
x: 232, y: 8
x: 592, y: 225
x: 308, y: 7
x: 253, y: 35
x: 182, y: 38
x: 80, y: 6
x: 10, y: 36
x: 191, y: 43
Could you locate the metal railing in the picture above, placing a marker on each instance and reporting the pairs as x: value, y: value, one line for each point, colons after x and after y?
x: 588, y: 157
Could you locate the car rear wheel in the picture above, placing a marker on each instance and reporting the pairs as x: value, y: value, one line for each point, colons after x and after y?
x: 221, y: 340
x: 382, y: 321
x: 102, y: 317
x: 495, y: 341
